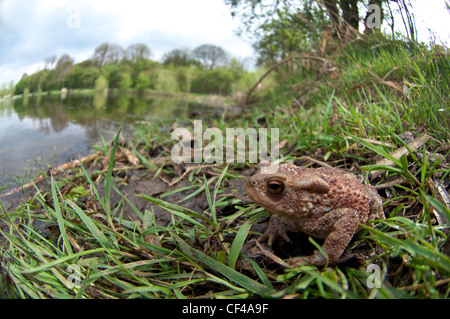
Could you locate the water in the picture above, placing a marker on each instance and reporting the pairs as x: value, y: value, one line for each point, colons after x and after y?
x: 41, y: 131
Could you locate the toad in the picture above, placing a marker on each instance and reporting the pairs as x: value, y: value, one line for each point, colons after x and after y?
x: 325, y: 203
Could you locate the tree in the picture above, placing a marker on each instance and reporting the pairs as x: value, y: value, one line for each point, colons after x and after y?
x: 125, y: 81
x: 369, y: 18
x: 49, y: 61
x: 404, y: 7
x: 290, y: 32
x: 166, y: 81
x: 143, y: 65
x: 63, y: 66
x: 107, y: 53
x: 143, y: 81
x: 82, y: 77
x: 236, y: 67
x: 210, y: 56
x: 280, y: 27
x: 101, y: 83
x: 184, y: 78
x: 343, y: 15
x: 137, y: 51
x: 217, y: 81
x: 113, y: 73
x: 7, y: 88
x: 179, y: 57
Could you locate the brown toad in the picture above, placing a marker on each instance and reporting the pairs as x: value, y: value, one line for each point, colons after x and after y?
x: 322, y: 202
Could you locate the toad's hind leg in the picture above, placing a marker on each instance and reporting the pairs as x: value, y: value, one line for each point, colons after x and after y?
x: 335, y: 243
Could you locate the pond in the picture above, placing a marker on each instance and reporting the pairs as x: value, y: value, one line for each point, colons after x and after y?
x: 47, y: 130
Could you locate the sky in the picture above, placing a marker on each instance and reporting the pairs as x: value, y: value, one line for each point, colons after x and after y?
x: 32, y: 30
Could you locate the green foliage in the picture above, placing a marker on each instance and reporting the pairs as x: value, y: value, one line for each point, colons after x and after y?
x: 285, y: 27
x: 419, y: 75
x: 290, y: 32
x: 113, y: 73
x: 23, y: 84
x: 143, y: 81
x: 247, y: 80
x: 218, y: 81
x: 82, y: 77
x: 184, y: 78
x: 101, y: 83
x: 166, y: 81
x: 47, y: 80
x: 7, y: 89
x: 125, y: 81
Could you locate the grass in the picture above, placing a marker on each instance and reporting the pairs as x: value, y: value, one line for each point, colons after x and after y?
x: 56, y: 248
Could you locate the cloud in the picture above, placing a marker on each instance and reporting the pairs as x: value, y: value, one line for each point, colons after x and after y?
x: 30, y: 31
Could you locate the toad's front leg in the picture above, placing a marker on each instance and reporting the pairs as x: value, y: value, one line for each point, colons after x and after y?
x: 335, y: 243
x: 275, y: 228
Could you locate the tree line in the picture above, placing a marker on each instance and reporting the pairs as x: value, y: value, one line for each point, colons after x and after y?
x: 207, y: 69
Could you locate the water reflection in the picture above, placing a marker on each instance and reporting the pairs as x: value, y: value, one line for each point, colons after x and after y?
x: 36, y: 131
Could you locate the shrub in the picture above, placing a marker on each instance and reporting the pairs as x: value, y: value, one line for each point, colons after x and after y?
x: 101, y: 83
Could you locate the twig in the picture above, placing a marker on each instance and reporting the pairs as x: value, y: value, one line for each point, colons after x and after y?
x: 272, y: 256
x: 323, y: 164
x: 423, y: 285
x: 53, y: 171
x: 397, y: 181
x: 414, y: 145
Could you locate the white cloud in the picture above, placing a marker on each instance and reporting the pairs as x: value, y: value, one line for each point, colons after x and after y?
x: 31, y: 30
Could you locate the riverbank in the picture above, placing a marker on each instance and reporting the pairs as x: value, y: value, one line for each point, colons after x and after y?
x: 131, y: 223
x: 208, y: 99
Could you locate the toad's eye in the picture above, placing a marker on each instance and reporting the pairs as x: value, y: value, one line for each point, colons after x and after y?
x: 275, y: 187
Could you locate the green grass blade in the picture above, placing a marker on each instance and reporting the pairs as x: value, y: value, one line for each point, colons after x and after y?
x: 378, y: 167
x: 237, y: 244
x: 233, y: 275
x: 23, y: 285
x: 432, y: 257
x: 61, y: 260
x: 94, y: 188
x: 108, y: 176
x: 187, y: 217
x: 59, y: 217
x: 167, y: 205
x: 216, y: 190
x: 198, y: 191
x: 133, y: 207
x: 144, y: 160
x: 261, y: 274
x: 439, y: 206
x: 377, y: 149
x: 104, y: 242
x: 211, y: 205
